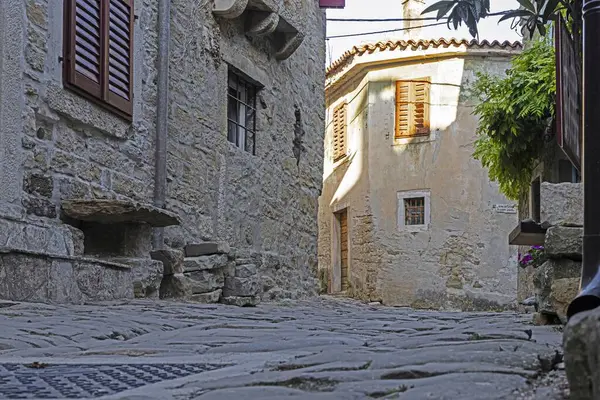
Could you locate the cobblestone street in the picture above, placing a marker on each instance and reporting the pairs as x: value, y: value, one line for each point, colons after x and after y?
x: 323, y: 348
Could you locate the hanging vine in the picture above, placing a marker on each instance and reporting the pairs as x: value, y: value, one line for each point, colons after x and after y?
x: 516, y: 112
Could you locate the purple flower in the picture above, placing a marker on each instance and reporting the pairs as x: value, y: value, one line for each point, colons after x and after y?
x: 538, y: 247
x: 527, y: 259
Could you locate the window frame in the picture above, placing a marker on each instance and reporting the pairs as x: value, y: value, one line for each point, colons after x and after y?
x: 99, y: 93
x: 413, y: 105
x: 247, y: 83
x: 402, y: 196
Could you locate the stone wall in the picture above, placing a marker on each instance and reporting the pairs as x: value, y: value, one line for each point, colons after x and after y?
x: 462, y: 259
x: 68, y: 147
x: 556, y: 282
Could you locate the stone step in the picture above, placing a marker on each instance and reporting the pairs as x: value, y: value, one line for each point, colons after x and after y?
x: 206, y: 249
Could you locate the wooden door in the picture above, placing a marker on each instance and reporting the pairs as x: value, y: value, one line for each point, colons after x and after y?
x: 344, y: 248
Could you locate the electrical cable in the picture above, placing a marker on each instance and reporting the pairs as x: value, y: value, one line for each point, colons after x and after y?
x: 386, y: 31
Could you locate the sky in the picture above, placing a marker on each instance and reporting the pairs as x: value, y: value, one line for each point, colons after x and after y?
x: 488, y: 28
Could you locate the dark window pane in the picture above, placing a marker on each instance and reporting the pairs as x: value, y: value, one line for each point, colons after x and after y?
x: 414, y: 211
x: 231, y: 131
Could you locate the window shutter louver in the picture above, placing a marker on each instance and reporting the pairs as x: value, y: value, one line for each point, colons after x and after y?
x: 339, y: 132
x: 98, y: 43
x: 83, y: 33
x: 412, y: 108
x: 421, y: 113
x: 118, y: 88
x: 403, y: 109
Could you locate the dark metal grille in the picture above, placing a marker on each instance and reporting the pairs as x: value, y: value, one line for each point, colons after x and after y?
x: 241, y: 113
x: 84, y: 381
x: 414, y: 211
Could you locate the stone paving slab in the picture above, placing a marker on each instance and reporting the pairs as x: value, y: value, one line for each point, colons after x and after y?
x: 316, y: 349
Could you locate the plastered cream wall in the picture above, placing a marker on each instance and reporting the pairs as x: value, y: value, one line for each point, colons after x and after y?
x: 462, y: 260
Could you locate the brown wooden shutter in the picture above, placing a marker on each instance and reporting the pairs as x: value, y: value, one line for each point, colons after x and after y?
x: 403, y: 109
x: 339, y: 132
x: 421, y: 115
x: 83, y: 45
x: 412, y: 107
x: 118, y: 90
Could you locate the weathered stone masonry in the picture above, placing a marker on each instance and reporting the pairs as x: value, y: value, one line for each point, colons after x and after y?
x: 63, y: 147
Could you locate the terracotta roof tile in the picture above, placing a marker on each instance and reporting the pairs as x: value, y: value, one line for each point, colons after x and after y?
x: 348, y: 56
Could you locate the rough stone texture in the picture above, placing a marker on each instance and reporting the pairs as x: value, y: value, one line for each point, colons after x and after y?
x: 147, y: 276
x: 203, y: 249
x: 562, y: 203
x: 117, y: 212
x: 172, y: 260
x: 55, y: 145
x: 38, y: 277
x: 562, y: 293
x: 245, y: 271
x: 319, y: 349
x: 462, y: 259
x: 175, y: 287
x: 582, y: 357
x: 205, y: 281
x: 206, y: 298
x: 50, y: 238
x: 241, y: 301
x: 545, y: 276
x: 564, y: 242
x: 235, y: 286
x: 191, y: 264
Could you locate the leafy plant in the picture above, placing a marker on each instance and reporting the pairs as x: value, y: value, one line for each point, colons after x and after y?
x: 535, y: 257
x: 533, y: 15
x: 515, y: 113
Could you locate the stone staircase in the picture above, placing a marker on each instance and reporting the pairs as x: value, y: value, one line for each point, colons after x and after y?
x: 208, y: 273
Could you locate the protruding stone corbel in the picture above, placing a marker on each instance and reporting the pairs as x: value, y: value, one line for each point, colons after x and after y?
x: 229, y: 8
x: 291, y: 42
x: 261, y: 23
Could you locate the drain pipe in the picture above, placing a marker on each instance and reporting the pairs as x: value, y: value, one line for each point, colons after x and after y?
x: 162, y: 114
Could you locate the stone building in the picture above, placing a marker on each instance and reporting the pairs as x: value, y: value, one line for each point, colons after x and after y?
x: 198, y: 123
x: 408, y: 216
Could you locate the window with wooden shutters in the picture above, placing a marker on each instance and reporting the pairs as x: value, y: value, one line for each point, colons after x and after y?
x: 412, y: 107
x: 339, y: 132
x: 98, y: 51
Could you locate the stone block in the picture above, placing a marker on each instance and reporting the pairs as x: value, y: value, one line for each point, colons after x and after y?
x: 564, y: 242
x: 191, y: 264
x: 172, y: 260
x: 207, y: 298
x: 240, y: 301
x: 245, y: 271
x: 147, y: 276
x: 235, y: 286
x: 205, y: 249
x: 37, y: 277
x: 562, y: 203
x: 581, y: 342
x: 175, y: 287
x: 562, y: 292
x: 546, y: 275
x: 205, y: 281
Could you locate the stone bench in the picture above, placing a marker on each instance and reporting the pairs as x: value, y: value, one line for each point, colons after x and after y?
x: 121, y: 231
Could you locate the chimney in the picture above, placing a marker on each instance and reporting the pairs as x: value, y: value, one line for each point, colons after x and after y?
x: 413, y: 9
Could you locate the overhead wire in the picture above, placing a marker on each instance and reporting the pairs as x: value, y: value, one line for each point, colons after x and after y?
x: 385, y: 31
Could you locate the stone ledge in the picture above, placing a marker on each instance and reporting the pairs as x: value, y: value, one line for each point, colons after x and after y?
x: 62, y: 257
x: 118, y: 211
x: 206, y: 249
x: 37, y: 277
